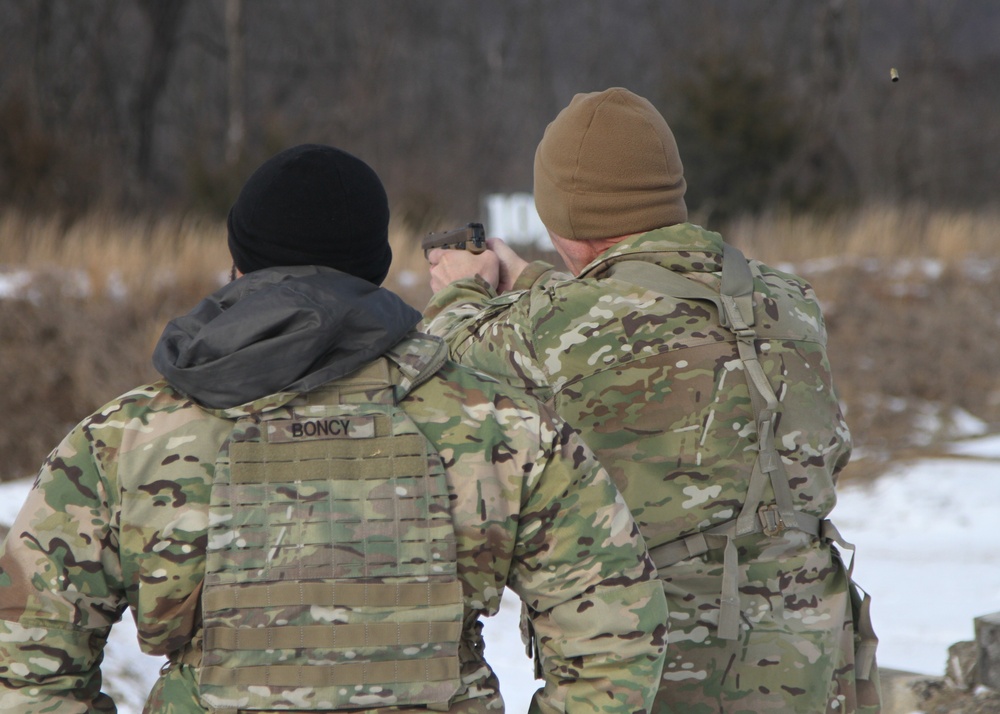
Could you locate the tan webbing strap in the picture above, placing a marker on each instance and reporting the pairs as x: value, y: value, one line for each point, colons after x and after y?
x: 729, y: 600
x: 664, y: 281
x: 308, y: 460
x: 737, y: 306
x: 736, y: 294
x: 338, y: 593
x: 376, y: 634
x: 699, y: 543
x: 724, y: 536
x: 830, y: 533
x: 392, y: 671
x: 667, y: 554
x: 864, y: 650
x: 737, y: 281
x: 683, y: 548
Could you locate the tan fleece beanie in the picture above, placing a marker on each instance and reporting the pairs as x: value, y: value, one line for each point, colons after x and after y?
x: 608, y: 166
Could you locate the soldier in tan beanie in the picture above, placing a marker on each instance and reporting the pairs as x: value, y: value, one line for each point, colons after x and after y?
x: 701, y: 382
x: 608, y: 166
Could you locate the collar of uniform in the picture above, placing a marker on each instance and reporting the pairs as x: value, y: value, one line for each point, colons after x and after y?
x: 683, y: 248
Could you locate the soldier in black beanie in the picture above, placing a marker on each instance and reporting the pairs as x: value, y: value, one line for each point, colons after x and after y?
x: 309, y: 234
x: 312, y: 205
x: 317, y: 507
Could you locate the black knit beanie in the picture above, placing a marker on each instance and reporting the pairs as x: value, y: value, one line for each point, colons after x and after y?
x: 312, y: 205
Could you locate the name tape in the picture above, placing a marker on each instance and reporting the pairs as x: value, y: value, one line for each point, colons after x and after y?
x: 355, y: 427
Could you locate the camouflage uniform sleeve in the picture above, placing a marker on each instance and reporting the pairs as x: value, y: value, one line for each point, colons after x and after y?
x: 456, y: 304
x: 490, y: 333
x: 581, y: 568
x: 60, y: 588
x: 536, y: 273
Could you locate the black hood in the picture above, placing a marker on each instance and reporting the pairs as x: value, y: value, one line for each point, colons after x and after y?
x: 287, y: 329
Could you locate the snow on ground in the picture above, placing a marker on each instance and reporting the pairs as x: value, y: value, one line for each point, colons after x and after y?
x: 13, y: 283
x: 928, y: 553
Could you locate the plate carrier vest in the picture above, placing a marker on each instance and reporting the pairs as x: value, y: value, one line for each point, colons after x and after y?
x: 331, y: 576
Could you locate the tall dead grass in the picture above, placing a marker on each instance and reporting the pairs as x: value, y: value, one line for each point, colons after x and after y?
x: 142, y: 257
x: 104, y: 254
x: 901, y: 343
x: 877, y: 231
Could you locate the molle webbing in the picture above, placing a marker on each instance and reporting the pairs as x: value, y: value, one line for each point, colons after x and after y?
x: 383, y: 675
x: 326, y: 595
x: 331, y: 566
x: 382, y: 634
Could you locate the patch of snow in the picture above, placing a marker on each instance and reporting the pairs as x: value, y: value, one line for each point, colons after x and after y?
x: 14, y: 283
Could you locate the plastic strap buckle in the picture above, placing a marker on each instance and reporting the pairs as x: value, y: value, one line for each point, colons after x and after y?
x: 771, y: 521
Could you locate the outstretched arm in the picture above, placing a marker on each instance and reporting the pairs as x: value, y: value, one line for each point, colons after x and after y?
x: 485, y: 330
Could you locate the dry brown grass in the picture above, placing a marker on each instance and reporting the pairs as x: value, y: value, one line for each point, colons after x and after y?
x: 140, y: 257
x: 873, y: 232
x: 902, y: 339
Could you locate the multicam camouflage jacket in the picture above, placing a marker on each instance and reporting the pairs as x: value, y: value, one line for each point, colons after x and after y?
x: 119, y: 517
x: 657, y: 387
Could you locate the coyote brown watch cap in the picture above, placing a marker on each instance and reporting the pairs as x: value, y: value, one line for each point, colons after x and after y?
x: 608, y: 166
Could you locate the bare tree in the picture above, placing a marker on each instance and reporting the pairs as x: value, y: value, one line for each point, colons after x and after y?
x: 448, y: 98
x: 236, y: 65
x: 164, y: 18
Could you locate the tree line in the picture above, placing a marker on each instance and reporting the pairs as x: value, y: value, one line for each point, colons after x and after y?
x: 150, y: 105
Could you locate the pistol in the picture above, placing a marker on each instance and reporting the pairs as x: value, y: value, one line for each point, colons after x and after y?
x: 471, y: 237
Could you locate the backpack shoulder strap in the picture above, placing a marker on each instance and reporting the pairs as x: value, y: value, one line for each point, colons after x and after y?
x: 734, y: 301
